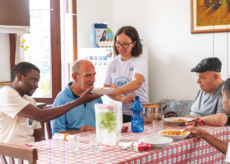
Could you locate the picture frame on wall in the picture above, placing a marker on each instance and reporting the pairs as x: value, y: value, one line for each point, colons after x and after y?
x: 203, y: 12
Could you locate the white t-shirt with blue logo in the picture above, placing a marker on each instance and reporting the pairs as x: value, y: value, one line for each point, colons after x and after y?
x: 15, y: 129
x: 121, y: 72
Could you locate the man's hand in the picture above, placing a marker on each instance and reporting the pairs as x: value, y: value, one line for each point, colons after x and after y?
x: 196, y: 132
x: 86, y: 97
x: 86, y: 128
x: 190, y: 116
x: 218, y: 144
x: 127, y: 99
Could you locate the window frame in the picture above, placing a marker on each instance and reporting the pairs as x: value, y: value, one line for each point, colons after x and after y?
x: 55, y: 37
x: 55, y: 28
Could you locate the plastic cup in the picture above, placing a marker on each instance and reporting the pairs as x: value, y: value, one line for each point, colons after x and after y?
x: 94, y: 145
x: 73, y: 141
x: 158, y: 125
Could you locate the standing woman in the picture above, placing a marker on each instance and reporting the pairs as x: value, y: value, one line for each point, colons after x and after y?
x: 127, y: 72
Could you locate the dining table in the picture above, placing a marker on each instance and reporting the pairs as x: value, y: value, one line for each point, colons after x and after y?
x: 189, y: 150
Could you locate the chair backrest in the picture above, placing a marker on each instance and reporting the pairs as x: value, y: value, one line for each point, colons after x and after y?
x: 180, y: 107
x: 17, y: 151
x: 48, y: 124
x: 49, y: 129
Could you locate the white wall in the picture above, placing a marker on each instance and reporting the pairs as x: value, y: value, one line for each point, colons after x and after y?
x: 91, y: 11
x: 4, y: 58
x: 173, y: 50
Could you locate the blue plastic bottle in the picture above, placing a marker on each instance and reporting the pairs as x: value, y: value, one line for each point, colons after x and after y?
x: 137, y: 123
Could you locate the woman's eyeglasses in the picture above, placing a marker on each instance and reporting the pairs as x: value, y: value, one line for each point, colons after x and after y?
x: 124, y: 45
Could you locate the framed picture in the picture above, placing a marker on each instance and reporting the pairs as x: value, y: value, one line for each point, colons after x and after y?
x: 210, y: 16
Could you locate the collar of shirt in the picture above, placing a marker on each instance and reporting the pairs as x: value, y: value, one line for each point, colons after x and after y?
x: 74, y: 95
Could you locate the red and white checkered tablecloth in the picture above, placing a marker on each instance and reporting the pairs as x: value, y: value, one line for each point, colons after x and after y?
x: 191, y: 150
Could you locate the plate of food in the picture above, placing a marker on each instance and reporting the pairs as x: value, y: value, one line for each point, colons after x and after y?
x: 177, y: 120
x: 174, y: 134
x: 157, y: 142
x: 102, y: 91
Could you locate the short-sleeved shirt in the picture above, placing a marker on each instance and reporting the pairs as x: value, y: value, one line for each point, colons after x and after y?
x: 15, y: 129
x: 203, y: 103
x: 121, y: 72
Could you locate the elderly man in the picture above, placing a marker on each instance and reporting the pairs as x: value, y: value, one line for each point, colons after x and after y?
x: 84, y: 115
x: 18, y: 111
x: 218, y: 144
x: 208, y: 102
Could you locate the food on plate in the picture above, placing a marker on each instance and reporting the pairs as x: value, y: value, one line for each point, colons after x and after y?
x: 173, y: 132
x: 179, y: 120
x: 150, y: 105
x: 99, y: 88
x: 124, y: 129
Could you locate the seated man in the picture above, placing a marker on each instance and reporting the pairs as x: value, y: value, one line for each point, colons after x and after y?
x: 207, y: 104
x: 18, y: 110
x: 218, y: 144
x: 83, y: 78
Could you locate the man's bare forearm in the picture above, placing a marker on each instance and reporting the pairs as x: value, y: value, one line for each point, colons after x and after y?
x: 218, y: 119
x: 44, y: 115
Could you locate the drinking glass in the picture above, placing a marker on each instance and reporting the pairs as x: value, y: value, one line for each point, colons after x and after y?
x: 158, y: 125
x: 73, y: 141
x: 94, y: 145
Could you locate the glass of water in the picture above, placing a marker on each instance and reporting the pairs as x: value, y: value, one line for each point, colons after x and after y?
x: 73, y: 142
x: 158, y: 125
x: 95, y: 144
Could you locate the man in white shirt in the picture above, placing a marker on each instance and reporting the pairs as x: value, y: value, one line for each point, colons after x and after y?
x: 18, y: 111
x: 218, y: 144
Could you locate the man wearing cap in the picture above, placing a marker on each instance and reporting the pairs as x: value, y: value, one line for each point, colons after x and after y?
x: 208, y: 102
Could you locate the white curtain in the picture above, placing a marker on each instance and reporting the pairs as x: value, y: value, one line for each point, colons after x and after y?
x: 34, y: 54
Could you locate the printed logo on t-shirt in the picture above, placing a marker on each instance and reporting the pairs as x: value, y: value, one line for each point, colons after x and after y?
x: 131, y: 69
x: 29, y: 122
x: 119, y: 82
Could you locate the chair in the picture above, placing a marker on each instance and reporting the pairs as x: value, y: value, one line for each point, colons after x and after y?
x: 16, y: 151
x: 175, y: 107
x: 48, y: 124
x: 49, y: 130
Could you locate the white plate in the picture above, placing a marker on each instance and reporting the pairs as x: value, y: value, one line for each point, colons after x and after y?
x: 170, y: 120
x: 100, y: 91
x: 157, y: 142
x: 175, y: 138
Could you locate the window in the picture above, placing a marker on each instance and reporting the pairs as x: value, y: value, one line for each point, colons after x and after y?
x: 39, y: 52
x: 46, y: 39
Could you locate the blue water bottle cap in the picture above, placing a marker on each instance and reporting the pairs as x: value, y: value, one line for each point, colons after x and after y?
x: 136, y: 97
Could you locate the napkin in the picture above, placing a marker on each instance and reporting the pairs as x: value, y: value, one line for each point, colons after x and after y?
x: 59, y: 136
x: 142, y: 146
x: 138, y: 146
x: 196, y: 122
